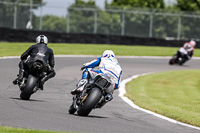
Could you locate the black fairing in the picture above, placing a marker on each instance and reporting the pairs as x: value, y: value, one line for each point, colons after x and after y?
x: 36, y: 68
x: 102, y: 81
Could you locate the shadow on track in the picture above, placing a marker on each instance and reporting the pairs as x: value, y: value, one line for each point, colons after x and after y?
x: 27, y: 100
x: 89, y: 116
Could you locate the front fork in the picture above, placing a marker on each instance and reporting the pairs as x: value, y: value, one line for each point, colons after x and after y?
x: 22, y: 84
x: 74, y: 104
x: 78, y: 99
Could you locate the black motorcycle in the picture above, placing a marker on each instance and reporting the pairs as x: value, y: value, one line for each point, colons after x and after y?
x: 178, y: 59
x: 30, y: 82
x: 95, y: 95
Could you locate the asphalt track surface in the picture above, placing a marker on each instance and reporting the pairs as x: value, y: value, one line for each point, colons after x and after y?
x: 48, y: 109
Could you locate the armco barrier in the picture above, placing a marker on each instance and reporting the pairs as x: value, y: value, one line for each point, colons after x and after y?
x: 12, y: 35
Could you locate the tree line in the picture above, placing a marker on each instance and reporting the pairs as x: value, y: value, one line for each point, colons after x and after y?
x: 112, y: 22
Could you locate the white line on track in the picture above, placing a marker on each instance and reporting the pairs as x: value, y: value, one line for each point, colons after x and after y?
x: 145, y: 57
x: 122, y: 91
x: 10, y: 57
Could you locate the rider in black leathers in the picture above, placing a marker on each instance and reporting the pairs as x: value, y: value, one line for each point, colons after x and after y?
x: 39, y: 51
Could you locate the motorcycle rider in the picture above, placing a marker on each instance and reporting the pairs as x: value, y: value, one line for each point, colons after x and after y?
x: 186, y: 51
x: 39, y: 51
x: 107, y: 64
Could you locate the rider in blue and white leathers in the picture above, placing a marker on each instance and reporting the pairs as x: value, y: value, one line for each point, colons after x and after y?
x: 107, y: 64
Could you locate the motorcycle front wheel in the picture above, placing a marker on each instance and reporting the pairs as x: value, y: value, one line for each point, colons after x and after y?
x: 89, y: 103
x: 171, y: 61
x: 72, y: 110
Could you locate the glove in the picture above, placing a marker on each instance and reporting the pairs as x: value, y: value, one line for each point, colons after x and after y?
x: 82, y: 68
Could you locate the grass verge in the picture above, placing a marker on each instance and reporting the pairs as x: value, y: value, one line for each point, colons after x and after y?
x: 16, y: 49
x: 20, y: 130
x: 175, y: 94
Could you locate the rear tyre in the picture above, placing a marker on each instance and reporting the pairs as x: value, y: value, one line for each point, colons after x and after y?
x: 182, y: 61
x: 28, y: 89
x: 92, y: 99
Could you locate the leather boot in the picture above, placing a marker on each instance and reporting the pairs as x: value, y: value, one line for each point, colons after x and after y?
x: 42, y: 81
x: 19, y: 78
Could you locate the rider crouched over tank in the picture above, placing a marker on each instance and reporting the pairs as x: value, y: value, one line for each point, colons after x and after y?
x: 38, y: 52
x: 94, y: 74
x: 184, y: 54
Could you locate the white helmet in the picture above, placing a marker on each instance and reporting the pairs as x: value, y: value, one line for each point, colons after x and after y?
x: 42, y: 39
x: 108, y: 53
x: 193, y: 43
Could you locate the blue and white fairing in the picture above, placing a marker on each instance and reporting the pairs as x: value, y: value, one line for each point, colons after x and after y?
x: 108, y: 66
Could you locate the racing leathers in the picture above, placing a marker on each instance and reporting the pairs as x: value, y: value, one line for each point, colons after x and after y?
x: 185, y: 52
x: 108, y: 66
x: 187, y: 49
x: 35, y: 52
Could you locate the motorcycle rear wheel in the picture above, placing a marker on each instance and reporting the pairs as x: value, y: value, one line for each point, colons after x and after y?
x: 28, y: 89
x: 91, y: 100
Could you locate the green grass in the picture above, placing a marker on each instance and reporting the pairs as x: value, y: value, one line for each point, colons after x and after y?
x: 175, y: 94
x: 20, y: 130
x: 16, y: 49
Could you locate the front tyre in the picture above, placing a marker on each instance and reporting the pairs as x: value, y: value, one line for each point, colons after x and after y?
x: 91, y: 100
x: 28, y: 89
x: 72, y: 110
x: 171, y: 62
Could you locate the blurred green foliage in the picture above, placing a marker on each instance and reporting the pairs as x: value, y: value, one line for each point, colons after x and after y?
x: 132, y: 18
